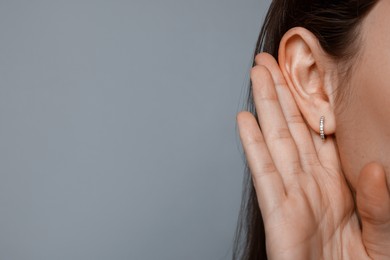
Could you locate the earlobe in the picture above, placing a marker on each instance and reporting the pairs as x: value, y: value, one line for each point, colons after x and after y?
x: 307, y: 71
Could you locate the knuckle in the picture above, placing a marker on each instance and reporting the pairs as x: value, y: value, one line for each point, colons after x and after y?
x: 281, y: 133
x: 311, y: 160
x: 261, y: 84
x: 268, y: 96
x: 295, y: 119
x: 256, y: 140
x: 268, y: 168
x: 295, y: 167
x: 264, y: 170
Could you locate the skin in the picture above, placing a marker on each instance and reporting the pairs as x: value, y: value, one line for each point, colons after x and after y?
x: 369, y: 107
x: 368, y: 111
x: 301, y: 182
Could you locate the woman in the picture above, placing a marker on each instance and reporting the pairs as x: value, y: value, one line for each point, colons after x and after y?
x: 316, y: 134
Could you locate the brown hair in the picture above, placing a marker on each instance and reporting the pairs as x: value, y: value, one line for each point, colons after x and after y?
x: 336, y: 25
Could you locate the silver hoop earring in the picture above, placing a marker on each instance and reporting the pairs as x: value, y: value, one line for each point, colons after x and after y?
x: 322, y: 134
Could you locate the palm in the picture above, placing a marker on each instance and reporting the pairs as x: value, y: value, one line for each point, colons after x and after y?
x: 314, y: 220
x: 307, y: 207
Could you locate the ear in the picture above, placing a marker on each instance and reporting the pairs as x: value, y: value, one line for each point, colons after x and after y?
x: 310, y: 75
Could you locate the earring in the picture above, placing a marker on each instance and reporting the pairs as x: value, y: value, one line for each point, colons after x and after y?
x: 322, y: 134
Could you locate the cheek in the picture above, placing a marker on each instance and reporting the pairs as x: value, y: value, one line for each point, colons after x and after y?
x: 372, y: 78
x: 363, y: 127
x: 371, y: 85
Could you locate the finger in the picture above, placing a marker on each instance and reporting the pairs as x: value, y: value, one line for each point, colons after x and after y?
x: 327, y: 150
x: 266, y: 179
x: 298, y: 127
x: 373, y: 203
x: 277, y: 136
x: 372, y: 195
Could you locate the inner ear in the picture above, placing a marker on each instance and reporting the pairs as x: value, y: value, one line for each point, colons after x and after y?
x: 304, y: 71
x: 300, y: 61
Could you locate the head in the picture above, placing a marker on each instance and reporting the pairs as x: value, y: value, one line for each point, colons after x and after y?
x: 334, y: 56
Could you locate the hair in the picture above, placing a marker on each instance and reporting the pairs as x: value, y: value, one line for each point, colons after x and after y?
x: 336, y: 25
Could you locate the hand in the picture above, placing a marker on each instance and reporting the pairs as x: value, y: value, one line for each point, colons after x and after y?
x: 306, y: 205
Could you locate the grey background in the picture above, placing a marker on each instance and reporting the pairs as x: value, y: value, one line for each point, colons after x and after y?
x: 117, y: 127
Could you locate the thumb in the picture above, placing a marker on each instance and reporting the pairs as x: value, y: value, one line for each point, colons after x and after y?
x: 373, y: 203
